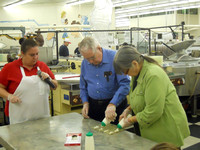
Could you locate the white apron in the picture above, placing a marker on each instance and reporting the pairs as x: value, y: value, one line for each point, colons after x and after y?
x: 34, y: 94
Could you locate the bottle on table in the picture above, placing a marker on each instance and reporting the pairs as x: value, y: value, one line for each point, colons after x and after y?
x: 120, y: 125
x: 105, y: 122
x: 89, y: 141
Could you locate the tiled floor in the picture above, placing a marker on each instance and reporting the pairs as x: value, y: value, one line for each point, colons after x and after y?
x: 193, y: 141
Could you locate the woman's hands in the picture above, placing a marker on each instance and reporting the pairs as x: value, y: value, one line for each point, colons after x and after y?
x: 127, y: 117
x: 44, y: 75
x: 125, y: 113
x: 13, y: 99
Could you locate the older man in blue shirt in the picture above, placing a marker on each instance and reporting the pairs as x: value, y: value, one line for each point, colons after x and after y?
x: 102, y: 91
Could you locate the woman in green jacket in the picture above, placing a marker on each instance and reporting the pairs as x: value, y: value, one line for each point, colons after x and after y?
x: 153, y: 99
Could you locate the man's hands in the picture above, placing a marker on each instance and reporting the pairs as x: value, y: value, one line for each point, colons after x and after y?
x: 13, y: 99
x: 85, y: 110
x: 110, y: 112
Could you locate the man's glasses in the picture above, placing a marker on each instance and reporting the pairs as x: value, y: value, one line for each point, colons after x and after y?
x: 91, y: 58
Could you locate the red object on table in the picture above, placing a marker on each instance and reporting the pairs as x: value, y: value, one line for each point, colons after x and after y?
x: 70, y: 77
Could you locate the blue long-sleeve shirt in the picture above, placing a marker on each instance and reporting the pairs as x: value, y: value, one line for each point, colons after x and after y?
x: 93, y: 83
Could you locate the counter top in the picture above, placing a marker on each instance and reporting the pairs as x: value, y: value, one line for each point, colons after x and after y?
x: 50, y: 134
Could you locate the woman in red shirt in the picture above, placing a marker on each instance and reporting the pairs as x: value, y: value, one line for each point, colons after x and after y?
x: 26, y: 93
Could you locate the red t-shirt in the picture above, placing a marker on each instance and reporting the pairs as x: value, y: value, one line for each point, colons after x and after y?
x: 11, y: 76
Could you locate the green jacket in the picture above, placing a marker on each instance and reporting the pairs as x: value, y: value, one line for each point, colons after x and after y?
x: 158, y: 109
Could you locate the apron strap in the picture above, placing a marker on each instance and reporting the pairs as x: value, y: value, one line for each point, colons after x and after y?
x: 23, y: 73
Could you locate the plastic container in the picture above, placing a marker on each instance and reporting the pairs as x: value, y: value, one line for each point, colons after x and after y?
x: 89, y: 141
x: 120, y: 125
x: 105, y: 122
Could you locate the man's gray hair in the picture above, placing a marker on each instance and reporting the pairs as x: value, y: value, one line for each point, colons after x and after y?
x: 88, y: 43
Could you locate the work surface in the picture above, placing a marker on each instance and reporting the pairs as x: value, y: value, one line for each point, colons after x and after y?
x: 50, y: 134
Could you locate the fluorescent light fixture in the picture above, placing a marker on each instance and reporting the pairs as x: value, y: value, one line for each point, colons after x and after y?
x: 17, y: 3
x: 77, y: 2
x: 128, y: 3
x: 122, y: 22
x: 156, y: 6
x: 159, y: 11
x: 122, y: 25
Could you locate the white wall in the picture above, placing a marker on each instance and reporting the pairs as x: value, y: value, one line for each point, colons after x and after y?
x: 153, y: 21
x: 166, y: 20
x: 189, y: 20
x: 43, y: 14
x: 49, y: 14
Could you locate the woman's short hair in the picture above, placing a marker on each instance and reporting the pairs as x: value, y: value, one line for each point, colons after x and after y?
x: 27, y: 44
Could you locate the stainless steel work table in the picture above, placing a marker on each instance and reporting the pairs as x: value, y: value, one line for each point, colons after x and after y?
x: 50, y: 134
